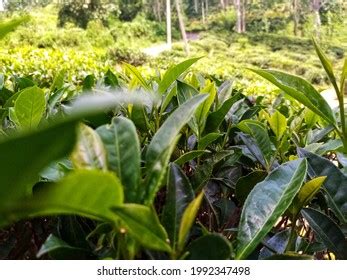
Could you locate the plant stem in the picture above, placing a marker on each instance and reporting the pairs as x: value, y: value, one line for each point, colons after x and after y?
x: 343, y: 135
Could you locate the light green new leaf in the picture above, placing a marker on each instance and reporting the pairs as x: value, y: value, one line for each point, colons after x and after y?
x: 326, y: 64
x: 143, y: 224
x: 188, y: 219
x: 58, y: 81
x: 161, y: 145
x: 278, y: 124
x: 305, y: 195
x: 11, y: 25
x: 335, y: 183
x: 328, y: 231
x: 208, y: 139
x: 173, y: 73
x: 89, y: 193
x: 137, y: 75
x: 123, y: 154
x: 301, y: 90
x: 89, y: 152
x: 23, y: 156
x: 204, y: 108
x: 30, y: 107
x: 267, y: 202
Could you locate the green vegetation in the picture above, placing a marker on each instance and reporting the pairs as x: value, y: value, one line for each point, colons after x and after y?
x: 107, y: 153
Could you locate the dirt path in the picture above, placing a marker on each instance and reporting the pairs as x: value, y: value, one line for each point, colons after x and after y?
x: 157, y: 49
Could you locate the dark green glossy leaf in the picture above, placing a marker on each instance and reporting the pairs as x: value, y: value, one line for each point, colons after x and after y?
x: 200, y: 249
x: 111, y: 79
x: 173, y: 74
x: 179, y: 195
x: 143, y: 224
x: 189, y: 156
x: 23, y: 156
x: 215, y: 119
x: 123, y: 154
x: 207, y: 140
x: 267, y: 202
x: 72, y: 195
x: 54, y: 245
x: 162, y: 144
x: 300, y: 90
x: 328, y: 231
x: 326, y: 63
x: 245, y: 184
x: 89, y: 82
x: 277, y: 243
x: 335, y: 183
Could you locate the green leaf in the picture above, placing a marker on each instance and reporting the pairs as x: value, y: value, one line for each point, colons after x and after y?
x: 328, y: 231
x: 215, y: 119
x: 188, y: 219
x: 89, y: 193
x: 137, y: 75
x: 326, y: 64
x: 261, y: 137
x: 54, y: 245
x: 58, y: 81
x: 204, y: 108
x: 30, y: 107
x: 179, y: 195
x: 23, y: 156
x: 189, y: 156
x: 277, y: 243
x: 311, y: 118
x: 143, y: 224
x: 245, y: 184
x: 89, y: 82
x: 89, y: 152
x: 335, y: 183
x: 278, y: 124
x: 343, y: 77
x: 200, y: 249
x: 300, y: 90
x: 123, y: 154
x: 161, y: 145
x: 173, y: 74
x: 111, y: 79
x: 267, y: 202
x: 207, y: 140
x: 11, y: 25
x: 305, y: 195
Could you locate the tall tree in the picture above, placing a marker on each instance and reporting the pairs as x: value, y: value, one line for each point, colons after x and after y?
x: 316, y: 5
x: 240, y: 6
x: 182, y: 26
x: 168, y: 24
x: 295, y: 6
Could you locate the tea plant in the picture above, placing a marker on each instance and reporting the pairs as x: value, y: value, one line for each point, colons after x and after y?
x: 174, y: 165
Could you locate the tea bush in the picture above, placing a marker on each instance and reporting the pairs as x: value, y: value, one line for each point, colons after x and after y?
x: 172, y: 165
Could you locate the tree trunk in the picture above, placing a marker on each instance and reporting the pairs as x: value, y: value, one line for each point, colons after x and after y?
x: 182, y: 27
x: 168, y: 24
x: 240, y: 7
x: 196, y: 6
x: 2, y: 8
x: 222, y: 4
x: 237, y: 4
x: 159, y: 9
x: 316, y: 4
x: 203, y: 14
x: 296, y: 17
x: 243, y: 12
